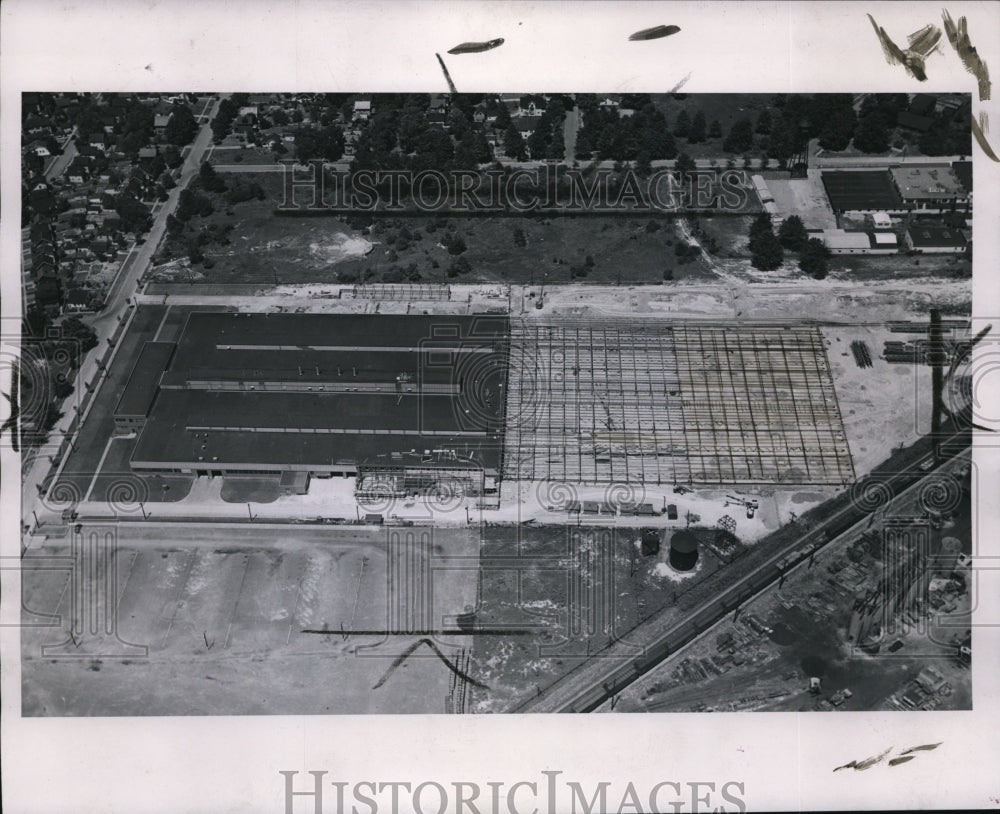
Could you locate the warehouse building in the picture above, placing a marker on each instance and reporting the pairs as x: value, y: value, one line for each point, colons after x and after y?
x: 861, y: 191
x: 935, y: 240
x: 929, y: 187
x: 322, y: 395
x: 136, y: 399
x: 839, y: 241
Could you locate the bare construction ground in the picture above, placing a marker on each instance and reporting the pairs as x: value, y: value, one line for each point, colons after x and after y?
x: 631, y: 401
x: 763, y: 657
x: 120, y: 621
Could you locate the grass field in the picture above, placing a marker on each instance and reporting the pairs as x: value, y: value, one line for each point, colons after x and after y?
x: 286, y: 250
x: 727, y: 108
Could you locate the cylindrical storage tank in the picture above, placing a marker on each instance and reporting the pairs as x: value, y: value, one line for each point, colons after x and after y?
x: 683, y: 551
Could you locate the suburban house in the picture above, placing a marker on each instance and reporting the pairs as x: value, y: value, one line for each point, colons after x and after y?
x: 362, y: 109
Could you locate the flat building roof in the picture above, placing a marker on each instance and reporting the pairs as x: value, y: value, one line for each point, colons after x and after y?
x: 926, y: 182
x: 140, y: 390
x: 324, y: 391
x: 860, y: 190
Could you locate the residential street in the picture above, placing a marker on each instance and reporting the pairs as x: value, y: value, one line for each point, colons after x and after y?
x: 106, y: 322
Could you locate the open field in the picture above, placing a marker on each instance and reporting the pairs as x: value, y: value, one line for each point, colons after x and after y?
x: 881, y: 406
x: 642, y: 403
x: 217, y: 627
x: 287, y: 250
x: 727, y: 108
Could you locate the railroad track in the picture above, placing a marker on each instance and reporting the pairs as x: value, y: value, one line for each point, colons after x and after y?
x: 578, y: 691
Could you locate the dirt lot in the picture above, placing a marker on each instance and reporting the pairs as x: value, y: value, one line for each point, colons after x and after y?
x: 899, y: 267
x: 882, y: 406
x: 804, y: 197
x: 561, y: 595
x: 218, y: 629
x: 796, y: 630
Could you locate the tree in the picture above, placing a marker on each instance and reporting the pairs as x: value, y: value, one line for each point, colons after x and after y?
x: 210, y: 180
x: 697, y: 132
x: 715, y: 129
x: 643, y: 164
x: 760, y: 224
x: 584, y: 149
x: 73, y: 328
x: 172, y: 157
x: 740, y: 138
x: 174, y: 226
x: 459, y: 266
x: 792, y: 233
x: 182, y: 126
x: 192, y: 203
x: 134, y: 214
x: 814, y: 258
x: 764, y: 122
x: 513, y: 143
x: 682, y: 127
x: 685, y: 166
x: 835, y: 113
x: 871, y: 135
x: 766, y: 253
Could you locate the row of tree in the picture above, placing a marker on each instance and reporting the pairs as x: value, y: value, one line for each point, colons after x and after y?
x: 643, y: 136
x: 767, y: 249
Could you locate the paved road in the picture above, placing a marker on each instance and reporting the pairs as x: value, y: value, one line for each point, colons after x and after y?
x: 717, y: 162
x: 571, y: 124
x: 136, y: 533
x: 62, y: 161
x: 339, y: 166
x: 595, y: 682
x: 858, y: 162
x: 139, y: 258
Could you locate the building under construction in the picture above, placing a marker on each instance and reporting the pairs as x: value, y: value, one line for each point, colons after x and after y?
x: 634, y: 401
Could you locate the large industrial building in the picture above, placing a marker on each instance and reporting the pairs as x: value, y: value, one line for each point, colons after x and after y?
x: 401, y: 402
x: 900, y: 188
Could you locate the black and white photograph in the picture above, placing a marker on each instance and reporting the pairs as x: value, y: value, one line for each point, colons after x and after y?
x: 347, y: 404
